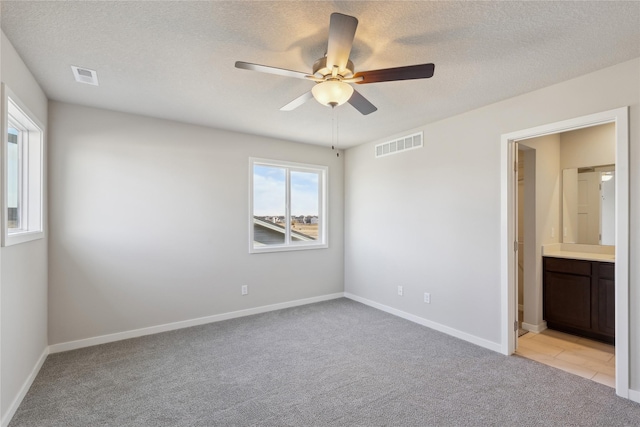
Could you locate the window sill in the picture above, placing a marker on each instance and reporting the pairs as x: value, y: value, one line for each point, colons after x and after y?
x: 23, y: 237
x: 289, y: 248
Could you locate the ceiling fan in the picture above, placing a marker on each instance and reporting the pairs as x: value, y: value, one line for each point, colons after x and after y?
x: 333, y: 72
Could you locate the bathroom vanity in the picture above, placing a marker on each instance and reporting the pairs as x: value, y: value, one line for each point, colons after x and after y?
x: 579, y: 292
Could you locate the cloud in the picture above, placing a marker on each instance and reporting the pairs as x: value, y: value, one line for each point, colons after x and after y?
x: 269, y: 191
x: 304, y: 193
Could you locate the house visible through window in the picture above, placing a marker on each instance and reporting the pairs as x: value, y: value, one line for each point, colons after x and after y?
x: 288, y: 206
x: 23, y: 192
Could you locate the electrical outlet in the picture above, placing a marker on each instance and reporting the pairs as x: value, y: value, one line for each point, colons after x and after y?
x: 553, y: 232
x: 427, y: 298
x: 400, y: 291
x: 245, y: 289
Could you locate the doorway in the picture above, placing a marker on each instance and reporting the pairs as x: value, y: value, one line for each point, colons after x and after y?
x: 509, y: 233
x: 559, y: 205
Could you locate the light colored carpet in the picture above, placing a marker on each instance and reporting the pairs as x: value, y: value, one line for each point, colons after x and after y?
x: 336, y: 363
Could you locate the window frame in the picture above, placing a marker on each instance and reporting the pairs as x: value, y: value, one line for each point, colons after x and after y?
x: 31, y: 171
x: 323, y: 196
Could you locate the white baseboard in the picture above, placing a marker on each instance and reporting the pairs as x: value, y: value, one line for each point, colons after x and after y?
x: 634, y: 395
x: 428, y: 323
x: 24, y: 389
x: 534, y: 328
x: 103, y: 339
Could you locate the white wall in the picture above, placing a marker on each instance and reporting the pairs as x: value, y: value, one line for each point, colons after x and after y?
x: 149, y: 224
x: 429, y: 219
x: 23, y: 267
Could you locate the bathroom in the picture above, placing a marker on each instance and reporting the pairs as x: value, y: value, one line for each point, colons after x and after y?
x: 566, y: 237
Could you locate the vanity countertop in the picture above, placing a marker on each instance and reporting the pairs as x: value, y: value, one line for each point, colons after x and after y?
x: 581, y: 255
x: 576, y: 251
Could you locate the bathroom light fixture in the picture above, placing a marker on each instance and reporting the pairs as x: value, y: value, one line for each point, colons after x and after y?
x: 332, y: 92
x: 606, y: 176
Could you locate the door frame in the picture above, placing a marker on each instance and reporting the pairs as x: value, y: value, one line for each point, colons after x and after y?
x: 508, y: 279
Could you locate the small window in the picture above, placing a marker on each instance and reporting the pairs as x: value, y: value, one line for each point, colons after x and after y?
x: 287, y: 206
x: 23, y: 169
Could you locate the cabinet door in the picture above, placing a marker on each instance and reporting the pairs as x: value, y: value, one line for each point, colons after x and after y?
x: 567, y: 299
x: 606, y: 307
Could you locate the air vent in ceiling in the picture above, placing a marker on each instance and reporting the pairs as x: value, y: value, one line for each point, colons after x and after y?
x: 85, y: 75
x: 405, y: 143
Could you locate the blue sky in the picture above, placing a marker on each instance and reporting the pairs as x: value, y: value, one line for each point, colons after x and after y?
x: 269, y: 191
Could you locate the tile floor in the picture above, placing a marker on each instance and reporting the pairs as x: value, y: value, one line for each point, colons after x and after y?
x: 580, y: 356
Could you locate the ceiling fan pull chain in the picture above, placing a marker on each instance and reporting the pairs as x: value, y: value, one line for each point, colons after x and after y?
x: 333, y: 128
x: 337, y: 128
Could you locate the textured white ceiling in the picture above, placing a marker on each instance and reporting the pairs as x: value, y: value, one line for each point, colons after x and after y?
x: 175, y: 60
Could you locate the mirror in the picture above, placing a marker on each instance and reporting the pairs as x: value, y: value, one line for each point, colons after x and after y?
x: 588, y: 205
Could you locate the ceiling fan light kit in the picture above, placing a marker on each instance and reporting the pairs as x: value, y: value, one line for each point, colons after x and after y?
x: 333, y: 72
x: 332, y: 92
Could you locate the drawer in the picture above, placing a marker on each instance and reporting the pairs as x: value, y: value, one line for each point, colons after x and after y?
x: 569, y: 266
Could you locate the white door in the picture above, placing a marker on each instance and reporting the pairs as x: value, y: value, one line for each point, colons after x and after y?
x: 608, y: 209
x: 589, y: 208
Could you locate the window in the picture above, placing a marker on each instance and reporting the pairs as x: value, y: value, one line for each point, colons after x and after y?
x: 23, y: 174
x: 288, y: 206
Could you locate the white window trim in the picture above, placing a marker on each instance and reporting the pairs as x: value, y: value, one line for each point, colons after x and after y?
x: 35, y: 228
x: 323, y: 207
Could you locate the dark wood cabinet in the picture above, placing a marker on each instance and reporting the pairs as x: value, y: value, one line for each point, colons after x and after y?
x: 579, y: 297
x: 606, y: 299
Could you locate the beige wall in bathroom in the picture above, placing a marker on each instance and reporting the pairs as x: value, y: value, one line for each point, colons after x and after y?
x: 544, y: 227
x: 592, y: 146
x: 587, y: 147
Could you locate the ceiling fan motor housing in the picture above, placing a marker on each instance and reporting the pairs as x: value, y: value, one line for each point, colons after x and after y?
x: 321, y: 70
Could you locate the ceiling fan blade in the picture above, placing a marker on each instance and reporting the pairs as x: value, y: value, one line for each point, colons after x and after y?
x: 297, y: 102
x: 271, y: 70
x: 342, y: 30
x: 410, y: 72
x: 361, y: 103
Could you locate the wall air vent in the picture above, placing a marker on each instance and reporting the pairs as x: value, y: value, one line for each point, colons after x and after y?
x: 405, y: 143
x: 85, y: 75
